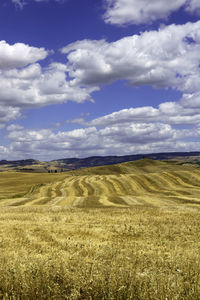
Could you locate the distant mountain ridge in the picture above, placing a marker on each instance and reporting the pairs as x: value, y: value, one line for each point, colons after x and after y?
x: 22, y: 162
x: 109, y: 160
x: 65, y: 164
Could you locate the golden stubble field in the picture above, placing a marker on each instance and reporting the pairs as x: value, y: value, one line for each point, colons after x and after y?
x: 144, y: 182
x: 115, y: 253
x: 129, y: 231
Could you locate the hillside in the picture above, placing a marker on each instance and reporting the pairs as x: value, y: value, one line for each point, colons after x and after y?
x: 132, y: 183
x: 66, y: 164
x: 134, y: 242
x: 77, y: 163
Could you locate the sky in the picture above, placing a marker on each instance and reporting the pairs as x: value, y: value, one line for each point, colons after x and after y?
x: 82, y: 78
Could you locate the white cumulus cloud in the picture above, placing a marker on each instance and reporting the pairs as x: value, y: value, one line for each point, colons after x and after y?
x: 19, y: 55
x: 24, y: 83
x: 117, y: 137
x: 122, y: 12
x: 167, y: 113
x: 8, y: 113
x: 14, y: 127
x: 165, y: 58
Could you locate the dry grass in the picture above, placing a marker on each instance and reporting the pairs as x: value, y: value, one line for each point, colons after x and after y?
x: 129, y: 231
x: 60, y: 253
x: 142, y: 182
x: 16, y: 185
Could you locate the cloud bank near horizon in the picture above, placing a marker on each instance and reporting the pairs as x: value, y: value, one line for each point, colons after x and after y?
x: 120, y: 133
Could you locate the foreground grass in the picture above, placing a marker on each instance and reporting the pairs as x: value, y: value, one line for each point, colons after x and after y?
x: 139, y: 253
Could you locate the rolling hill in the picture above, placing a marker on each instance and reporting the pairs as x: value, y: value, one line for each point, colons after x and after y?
x: 141, y: 240
x: 66, y: 164
x: 139, y: 182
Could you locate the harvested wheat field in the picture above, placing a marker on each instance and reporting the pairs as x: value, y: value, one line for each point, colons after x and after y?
x: 124, y: 185
x: 127, y: 231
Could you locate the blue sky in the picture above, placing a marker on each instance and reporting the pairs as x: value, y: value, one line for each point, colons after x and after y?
x: 108, y: 77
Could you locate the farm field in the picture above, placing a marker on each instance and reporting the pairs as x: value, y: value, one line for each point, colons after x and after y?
x: 127, y: 231
x: 142, y: 252
x: 124, y: 185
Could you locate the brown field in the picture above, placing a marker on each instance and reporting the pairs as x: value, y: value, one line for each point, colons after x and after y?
x: 128, y: 231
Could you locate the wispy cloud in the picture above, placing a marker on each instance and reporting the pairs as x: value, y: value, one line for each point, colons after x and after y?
x: 21, y: 3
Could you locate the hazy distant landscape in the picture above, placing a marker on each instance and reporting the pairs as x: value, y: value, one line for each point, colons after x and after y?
x: 67, y: 164
x: 121, y: 231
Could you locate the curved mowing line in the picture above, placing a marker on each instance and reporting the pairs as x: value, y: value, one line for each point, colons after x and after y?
x: 191, y: 178
x: 87, y: 191
x: 136, y: 187
x: 109, y: 185
x: 63, y: 198
x: 181, y: 179
x: 42, y: 197
x: 19, y: 202
x: 184, y: 200
x: 166, y: 183
x: 98, y: 184
x: 160, y: 187
x: 127, y: 185
x: 78, y: 191
x: 57, y: 189
x: 155, y: 183
x: 119, y: 185
x: 92, y: 190
x: 143, y: 183
x: 174, y: 180
x: 106, y: 191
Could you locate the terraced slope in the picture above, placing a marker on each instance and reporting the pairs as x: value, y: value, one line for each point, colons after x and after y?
x: 141, y: 182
